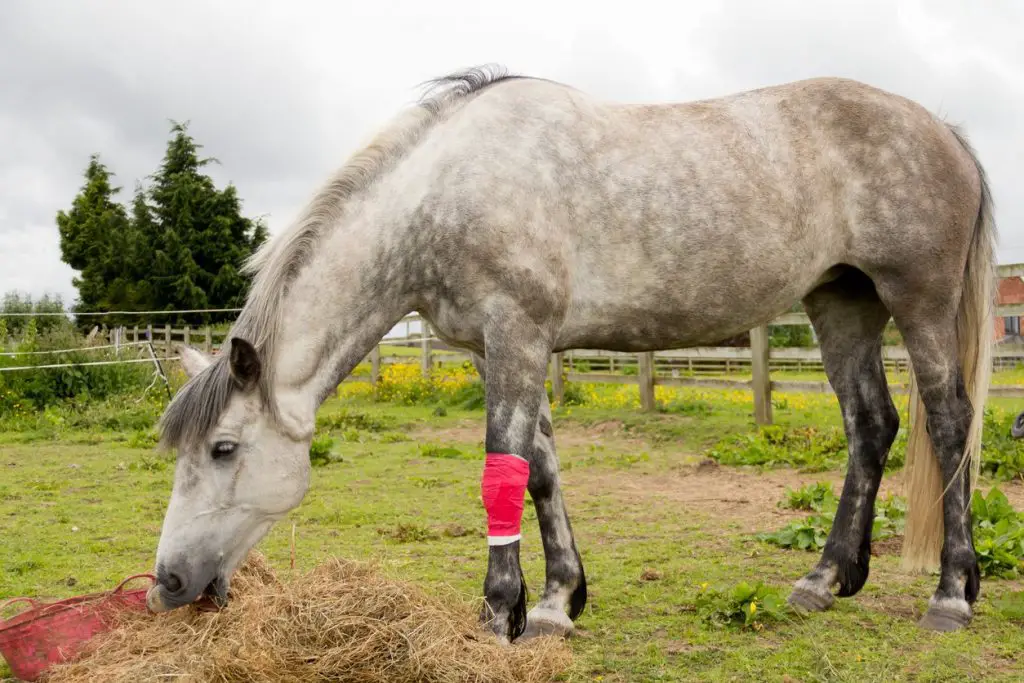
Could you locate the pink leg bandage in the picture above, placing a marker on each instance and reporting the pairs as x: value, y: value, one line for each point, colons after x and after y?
x: 502, y: 488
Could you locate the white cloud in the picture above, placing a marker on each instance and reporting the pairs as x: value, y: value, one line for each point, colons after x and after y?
x: 282, y: 93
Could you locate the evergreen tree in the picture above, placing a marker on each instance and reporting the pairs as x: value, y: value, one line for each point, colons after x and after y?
x: 205, y: 238
x: 92, y: 235
x: 146, y: 235
x: 182, y: 248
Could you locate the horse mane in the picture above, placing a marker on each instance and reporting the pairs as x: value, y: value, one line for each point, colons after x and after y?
x: 199, y: 404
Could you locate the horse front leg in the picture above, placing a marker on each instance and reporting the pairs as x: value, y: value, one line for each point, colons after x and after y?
x: 516, y: 366
x: 565, y: 586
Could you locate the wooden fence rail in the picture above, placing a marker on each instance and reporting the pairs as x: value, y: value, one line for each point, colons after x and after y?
x: 678, y: 367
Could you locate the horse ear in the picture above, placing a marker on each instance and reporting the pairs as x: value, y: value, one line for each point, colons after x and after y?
x: 245, y: 363
x: 193, y: 361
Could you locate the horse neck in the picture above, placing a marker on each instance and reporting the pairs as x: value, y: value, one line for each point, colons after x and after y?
x: 335, y: 312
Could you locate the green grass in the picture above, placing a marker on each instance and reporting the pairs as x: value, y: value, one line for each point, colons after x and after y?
x: 81, y: 508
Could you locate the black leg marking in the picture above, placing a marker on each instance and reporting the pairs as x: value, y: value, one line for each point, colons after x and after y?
x: 505, y: 614
x: 514, y: 373
x: 565, y: 581
x: 949, y: 417
x: 849, y: 318
x: 929, y: 330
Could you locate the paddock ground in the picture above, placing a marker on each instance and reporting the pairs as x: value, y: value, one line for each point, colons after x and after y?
x: 655, y: 519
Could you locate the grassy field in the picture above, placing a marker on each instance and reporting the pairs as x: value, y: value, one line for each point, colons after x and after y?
x: 658, y: 522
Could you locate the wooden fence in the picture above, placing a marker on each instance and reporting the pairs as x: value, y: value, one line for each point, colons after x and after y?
x: 680, y: 367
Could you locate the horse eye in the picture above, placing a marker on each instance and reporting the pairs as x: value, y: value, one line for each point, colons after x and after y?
x: 222, y: 449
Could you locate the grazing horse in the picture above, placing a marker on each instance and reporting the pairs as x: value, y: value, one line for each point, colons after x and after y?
x: 521, y: 217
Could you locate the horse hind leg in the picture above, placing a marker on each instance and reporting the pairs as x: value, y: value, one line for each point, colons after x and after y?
x: 929, y: 331
x: 849, y: 319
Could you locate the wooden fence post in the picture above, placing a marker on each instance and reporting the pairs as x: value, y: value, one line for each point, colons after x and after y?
x: 557, y: 383
x: 149, y: 334
x: 167, y: 338
x: 762, y: 383
x: 426, y: 358
x: 375, y: 364
x: 645, y: 378
x: 135, y: 334
x: 188, y: 334
x: 208, y: 339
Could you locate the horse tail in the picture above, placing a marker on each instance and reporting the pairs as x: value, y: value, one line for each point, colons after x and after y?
x: 923, y: 538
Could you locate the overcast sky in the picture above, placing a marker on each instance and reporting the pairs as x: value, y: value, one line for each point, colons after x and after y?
x: 282, y: 92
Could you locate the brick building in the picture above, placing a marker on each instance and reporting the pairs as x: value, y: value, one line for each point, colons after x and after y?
x: 1011, y: 291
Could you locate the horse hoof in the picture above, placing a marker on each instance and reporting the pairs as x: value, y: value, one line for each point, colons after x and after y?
x: 544, y: 621
x: 810, y: 600
x: 486, y: 630
x: 946, y: 615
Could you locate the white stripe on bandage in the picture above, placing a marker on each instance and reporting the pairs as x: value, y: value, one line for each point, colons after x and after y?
x: 503, y: 540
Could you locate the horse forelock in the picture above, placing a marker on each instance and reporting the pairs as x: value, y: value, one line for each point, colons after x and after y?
x: 197, y: 406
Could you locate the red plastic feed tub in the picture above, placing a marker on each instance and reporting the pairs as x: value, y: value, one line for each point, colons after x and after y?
x: 49, y: 633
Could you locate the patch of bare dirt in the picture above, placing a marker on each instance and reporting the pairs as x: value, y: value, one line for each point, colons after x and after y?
x: 736, y: 495
x: 887, y: 546
x: 733, y: 495
x: 746, y: 497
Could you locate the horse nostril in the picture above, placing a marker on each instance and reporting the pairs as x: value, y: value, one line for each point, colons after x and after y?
x: 172, y: 582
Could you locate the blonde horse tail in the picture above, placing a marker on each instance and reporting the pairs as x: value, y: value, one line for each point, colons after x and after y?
x: 923, y: 537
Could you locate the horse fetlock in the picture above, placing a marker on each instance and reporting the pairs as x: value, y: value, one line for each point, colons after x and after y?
x: 972, y: 585
x: 504, y: 608
x: 578, y: 599
x: 853, y: 572
x: 506, y: 621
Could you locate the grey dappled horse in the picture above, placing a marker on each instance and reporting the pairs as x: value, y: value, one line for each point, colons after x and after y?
x: 522, y: 217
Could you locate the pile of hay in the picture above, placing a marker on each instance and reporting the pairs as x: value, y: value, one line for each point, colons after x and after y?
x: 342, y: 621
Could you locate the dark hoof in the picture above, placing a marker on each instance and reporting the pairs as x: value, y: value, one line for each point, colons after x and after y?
x: 499, y: 634
x: 542, y: 621
x: 806, y: 600
x: 946, y: 615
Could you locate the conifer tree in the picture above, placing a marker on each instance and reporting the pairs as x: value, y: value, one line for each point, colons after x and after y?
x: 181, y: 248
x: 205, y: 238
x: 90, y: 236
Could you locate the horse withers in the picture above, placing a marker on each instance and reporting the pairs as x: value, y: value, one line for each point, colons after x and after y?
x: 522, y: 217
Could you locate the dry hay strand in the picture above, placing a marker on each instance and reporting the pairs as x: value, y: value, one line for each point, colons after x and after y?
x: 342, y: 621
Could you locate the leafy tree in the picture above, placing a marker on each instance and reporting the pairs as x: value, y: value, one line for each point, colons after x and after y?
x: 50, y: 306
x: 787, y: 336
x: 14, y: 302
x: 23, y: 305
